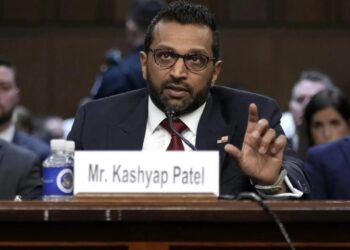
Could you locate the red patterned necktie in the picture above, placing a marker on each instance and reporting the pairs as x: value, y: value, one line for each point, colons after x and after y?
x: 176, y: 142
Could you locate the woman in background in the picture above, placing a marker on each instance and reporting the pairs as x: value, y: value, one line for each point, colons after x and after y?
x: 326, y: 118
x: 327, y: 122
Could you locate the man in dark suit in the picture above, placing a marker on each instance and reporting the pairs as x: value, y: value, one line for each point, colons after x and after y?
x: 328, y: 168
x: 20, y: 173
x: 9, y: 98
x: 181, y: 64
x: 127, y: 75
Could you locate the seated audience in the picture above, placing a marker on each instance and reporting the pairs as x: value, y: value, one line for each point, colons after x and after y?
x: 326, y: 118
x: 309, y: 84
x: 20, y: 173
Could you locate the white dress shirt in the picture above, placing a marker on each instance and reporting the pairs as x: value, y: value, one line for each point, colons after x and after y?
x: 8, y: 134
x: 158, y: 138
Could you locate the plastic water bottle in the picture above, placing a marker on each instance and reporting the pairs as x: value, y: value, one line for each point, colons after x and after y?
x: 69, y: 150
x: 57, y: 173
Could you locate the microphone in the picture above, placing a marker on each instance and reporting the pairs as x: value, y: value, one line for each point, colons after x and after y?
x: 170, y: 113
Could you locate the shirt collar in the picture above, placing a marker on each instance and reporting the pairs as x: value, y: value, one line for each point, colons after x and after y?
x: 156, y: 116
x: 8, y: 133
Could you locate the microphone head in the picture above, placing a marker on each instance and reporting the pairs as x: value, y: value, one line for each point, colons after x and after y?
x: 169, y: 112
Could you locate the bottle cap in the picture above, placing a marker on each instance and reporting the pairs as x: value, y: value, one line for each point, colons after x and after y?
x: 69, y: 146
x: 58, y: 144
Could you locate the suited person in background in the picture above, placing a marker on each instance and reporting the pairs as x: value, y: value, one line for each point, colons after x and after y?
x: 9, y: 98
x: 125, y: 75
x: 328, y: 166
x: 309, y: 83
x: 20, y: 173
x: 181, y: 63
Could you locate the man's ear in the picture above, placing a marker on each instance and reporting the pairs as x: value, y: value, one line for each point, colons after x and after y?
x: 216, y: 71
x: 143, y: 61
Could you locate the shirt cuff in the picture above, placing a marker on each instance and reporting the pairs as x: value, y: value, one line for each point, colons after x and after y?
x: 295, y: 193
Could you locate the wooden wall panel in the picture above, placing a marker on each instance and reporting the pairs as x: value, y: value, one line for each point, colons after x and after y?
x: 248, y: 10
x: 120, y: 10
x: 306, y: 11
x: 78, y: 10
x: 58, y: 45
x: 28, y: 50
x: 24, y: 11
x: 345, y: 11
x: 269, y: 61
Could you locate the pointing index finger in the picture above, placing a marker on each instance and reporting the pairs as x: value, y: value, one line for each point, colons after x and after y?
x: 253, y: 117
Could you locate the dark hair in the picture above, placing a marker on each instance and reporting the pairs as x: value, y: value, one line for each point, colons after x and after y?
x: 186, y: 13
x: 316, y: 76
x: 323, y: 99
x: 143, y: 11
x: 8, y: 64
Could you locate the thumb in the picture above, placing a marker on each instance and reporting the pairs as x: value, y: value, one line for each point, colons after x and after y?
x: 233, y: 151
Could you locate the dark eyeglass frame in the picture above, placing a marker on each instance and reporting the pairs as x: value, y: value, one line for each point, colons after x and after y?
x: 184, y: 57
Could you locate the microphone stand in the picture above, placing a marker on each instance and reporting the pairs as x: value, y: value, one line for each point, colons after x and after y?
x: 170, y: 113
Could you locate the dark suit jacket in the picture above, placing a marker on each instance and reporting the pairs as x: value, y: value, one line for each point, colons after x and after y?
x: 119, y: 123
x: 20, y: 173
x: 122, y: 77
x: 328, y: 168
x: 40, y: 148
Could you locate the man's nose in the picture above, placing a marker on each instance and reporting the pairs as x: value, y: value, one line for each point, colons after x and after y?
x: 179, y: 69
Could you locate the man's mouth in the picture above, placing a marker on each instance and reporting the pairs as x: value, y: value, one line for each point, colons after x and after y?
x: 176, y: 91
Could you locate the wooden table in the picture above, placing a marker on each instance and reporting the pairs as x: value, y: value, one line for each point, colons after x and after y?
x: 171, y: 223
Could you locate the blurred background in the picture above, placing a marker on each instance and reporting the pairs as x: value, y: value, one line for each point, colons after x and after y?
x: 59, y: 45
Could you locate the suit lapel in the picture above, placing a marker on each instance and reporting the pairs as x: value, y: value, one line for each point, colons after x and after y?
x: 212, y: 127
x: 129, y: 133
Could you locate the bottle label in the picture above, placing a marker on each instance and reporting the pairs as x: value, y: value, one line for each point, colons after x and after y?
x: 58, y: 180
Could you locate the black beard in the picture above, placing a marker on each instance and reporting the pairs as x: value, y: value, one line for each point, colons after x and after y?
x: 6, y: 117
x: 162, y: 102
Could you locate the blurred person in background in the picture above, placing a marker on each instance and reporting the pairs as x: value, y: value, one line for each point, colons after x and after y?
x: 50, y: 127
x: 124, y: 75
x: 326, y: 118
x: 309, y: 84
x: 9, y: 98
x: 23, y: 120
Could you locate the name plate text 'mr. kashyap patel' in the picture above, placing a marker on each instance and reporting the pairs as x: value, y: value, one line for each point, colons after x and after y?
x: 146, y: 172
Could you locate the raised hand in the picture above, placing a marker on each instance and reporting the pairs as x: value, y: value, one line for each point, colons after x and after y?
x: 262, y: 150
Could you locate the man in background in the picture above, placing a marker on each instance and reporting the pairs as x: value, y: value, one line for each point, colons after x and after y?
x: 9, y: 98
x: 310, y: 83
x: 126, y: 74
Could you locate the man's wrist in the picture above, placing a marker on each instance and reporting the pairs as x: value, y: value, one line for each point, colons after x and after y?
x: 276, y: 187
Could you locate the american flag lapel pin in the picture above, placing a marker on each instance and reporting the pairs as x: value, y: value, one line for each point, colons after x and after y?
x: 223, y: 139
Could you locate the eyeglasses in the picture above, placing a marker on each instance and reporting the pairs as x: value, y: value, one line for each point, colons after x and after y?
x: 166, y: 59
